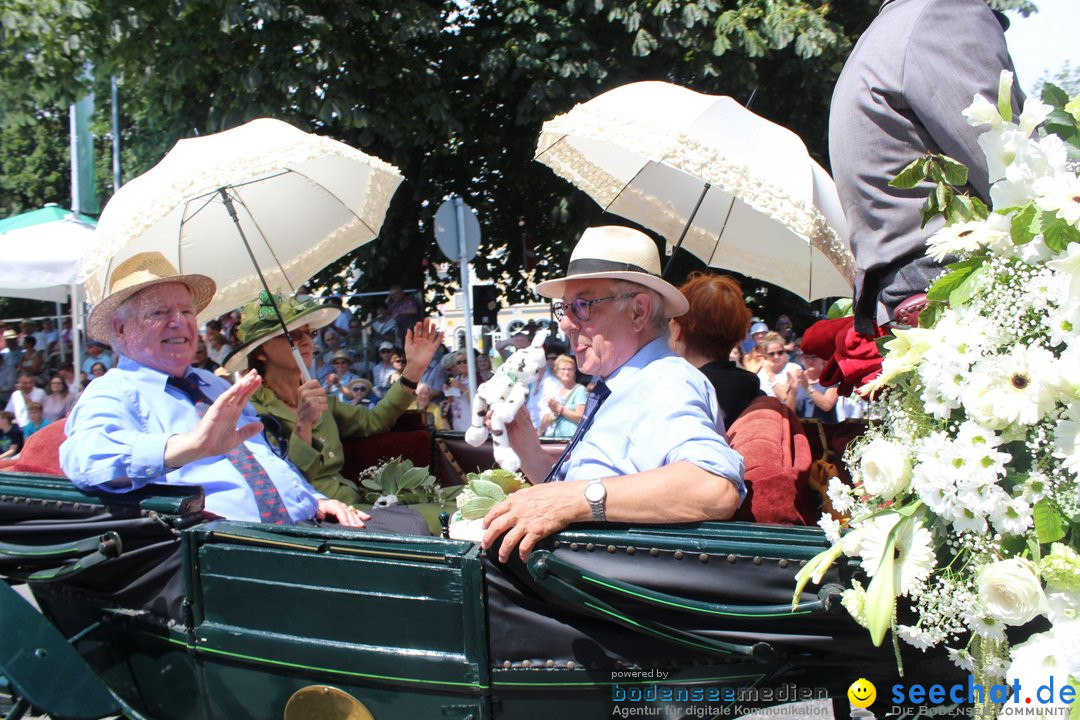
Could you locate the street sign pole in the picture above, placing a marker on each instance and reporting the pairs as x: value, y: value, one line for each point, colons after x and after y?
x: 457, y: 233
x: 463, y: 264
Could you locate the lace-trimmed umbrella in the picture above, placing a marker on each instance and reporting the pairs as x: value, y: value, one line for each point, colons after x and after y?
x: 738, y: 191
x: 260, y: 207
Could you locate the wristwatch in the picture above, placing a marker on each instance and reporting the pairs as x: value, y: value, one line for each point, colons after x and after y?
x: 596, y: 496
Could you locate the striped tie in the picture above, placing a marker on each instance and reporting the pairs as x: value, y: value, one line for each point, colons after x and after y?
x: 271, y: 509
x: 596, y: 399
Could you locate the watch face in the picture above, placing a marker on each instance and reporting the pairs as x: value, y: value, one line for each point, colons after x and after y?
x: 595, y: 492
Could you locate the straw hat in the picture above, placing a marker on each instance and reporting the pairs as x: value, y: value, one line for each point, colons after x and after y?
x: 136, y: 274
x: 259, y: 323
x: 618, y: 253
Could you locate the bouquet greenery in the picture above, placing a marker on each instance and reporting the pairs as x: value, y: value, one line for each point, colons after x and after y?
x: 966, y: 494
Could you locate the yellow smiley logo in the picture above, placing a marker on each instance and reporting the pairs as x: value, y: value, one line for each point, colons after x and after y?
x: 862, y: 693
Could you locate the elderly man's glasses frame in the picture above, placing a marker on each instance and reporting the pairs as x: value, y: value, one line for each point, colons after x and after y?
x: 581, y: 308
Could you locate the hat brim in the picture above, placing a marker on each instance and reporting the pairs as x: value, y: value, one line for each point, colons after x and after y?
x: 317, y: 317
x: 675, y: 303
x: 99, y: 323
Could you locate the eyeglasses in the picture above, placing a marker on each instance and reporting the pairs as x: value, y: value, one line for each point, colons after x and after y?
x: 385, y: 351
x: 341, y: 362
x: 776, y: 353
x: 298, y: 335
x: 582, y: 308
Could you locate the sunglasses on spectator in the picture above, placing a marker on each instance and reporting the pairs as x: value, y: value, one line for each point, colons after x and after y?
x: 776, y: 353
x: 341, y: 362
x: 581, y: 308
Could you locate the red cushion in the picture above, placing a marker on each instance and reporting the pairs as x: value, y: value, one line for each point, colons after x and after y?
x: 41, y: 452
x: 771, y: 440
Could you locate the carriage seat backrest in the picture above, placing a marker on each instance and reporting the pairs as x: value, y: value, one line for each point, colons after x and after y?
x: 41, y: 452
x: 777, y: 455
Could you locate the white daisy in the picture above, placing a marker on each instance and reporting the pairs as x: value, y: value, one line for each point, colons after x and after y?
x: 969, y: 237
x: 962, y: 659
x: 1013, y: 517
x: 915, y: 636
x: 913, y: 551
x: 831, y: 526
x: 839, y: 492
x: 988, y: 627
x: 1015, y: 388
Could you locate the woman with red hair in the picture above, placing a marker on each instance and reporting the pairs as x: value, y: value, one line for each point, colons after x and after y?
x: 717, y: 320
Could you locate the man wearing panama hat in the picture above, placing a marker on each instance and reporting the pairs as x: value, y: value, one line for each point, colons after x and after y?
x: 650, y: 447
x: 156, y: 419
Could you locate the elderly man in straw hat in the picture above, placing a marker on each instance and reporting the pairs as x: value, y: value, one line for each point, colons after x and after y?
x: 156, y: 419
x: 650, y: 447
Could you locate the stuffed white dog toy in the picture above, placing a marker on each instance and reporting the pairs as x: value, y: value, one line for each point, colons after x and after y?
x: 504, y: 394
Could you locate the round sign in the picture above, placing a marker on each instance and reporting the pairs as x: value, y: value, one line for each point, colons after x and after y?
x: 446, y: 230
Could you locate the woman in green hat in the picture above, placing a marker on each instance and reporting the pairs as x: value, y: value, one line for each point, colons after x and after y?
x: 310, y: 424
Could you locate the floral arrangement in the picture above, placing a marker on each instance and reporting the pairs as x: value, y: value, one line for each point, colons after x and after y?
x: 966, y: 490
x: 397, y: 481
x: 482, y: 492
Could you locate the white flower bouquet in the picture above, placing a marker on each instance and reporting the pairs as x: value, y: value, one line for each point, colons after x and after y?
x: 966, y: 494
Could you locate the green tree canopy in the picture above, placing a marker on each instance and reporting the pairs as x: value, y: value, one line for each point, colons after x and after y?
x: 452, y: 93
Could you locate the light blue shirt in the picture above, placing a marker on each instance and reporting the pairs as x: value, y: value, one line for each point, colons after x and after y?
x: 661, y: 410
x: 118, y: 430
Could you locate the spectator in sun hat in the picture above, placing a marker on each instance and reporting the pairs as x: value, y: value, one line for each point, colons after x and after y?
x: 383, y: 370
x: 156, y: 419
x: 340, y: 376
x: 362, y: 392
x: 651, y: 446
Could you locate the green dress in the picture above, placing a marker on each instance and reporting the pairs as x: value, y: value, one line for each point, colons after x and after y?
x: 321, y: 460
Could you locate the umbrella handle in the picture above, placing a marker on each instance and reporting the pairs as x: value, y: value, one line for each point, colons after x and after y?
x: 304, y: 374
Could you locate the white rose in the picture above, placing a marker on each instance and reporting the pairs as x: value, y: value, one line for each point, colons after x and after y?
x: 886, y: 468
x: 1011, y: 592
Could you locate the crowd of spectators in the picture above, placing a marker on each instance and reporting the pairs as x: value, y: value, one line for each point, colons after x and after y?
x: 784, y: 371
x: 357, y: 360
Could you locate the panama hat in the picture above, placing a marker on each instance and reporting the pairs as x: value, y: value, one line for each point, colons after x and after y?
x: 136, y: 274
x: 259, y: 323
x: 618, y: 253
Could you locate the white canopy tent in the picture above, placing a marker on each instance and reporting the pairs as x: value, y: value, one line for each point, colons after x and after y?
x: 42, y: 260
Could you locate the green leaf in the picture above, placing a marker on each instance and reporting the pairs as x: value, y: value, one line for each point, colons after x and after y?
x: 1053, y: 95
x: 488, y: 489
x: 841, y: 308
x: 929, y: 317
x: 476, y: 507
x: 944, y: 286
x: 956, y: 173
x: 966, y: 289
x: 1049, y: 525
x: 1057, y: 234
x: 910, y: 176
x: 1026, y: 224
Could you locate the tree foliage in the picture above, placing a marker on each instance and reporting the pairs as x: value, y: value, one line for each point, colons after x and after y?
x: 452, y: 93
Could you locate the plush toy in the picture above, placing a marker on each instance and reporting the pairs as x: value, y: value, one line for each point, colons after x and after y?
x: 503, y: 395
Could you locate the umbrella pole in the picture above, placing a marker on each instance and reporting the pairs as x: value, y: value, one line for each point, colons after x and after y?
x: 231, y: 209
x: 685, y: 229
